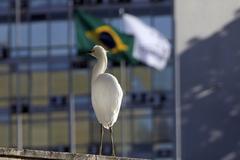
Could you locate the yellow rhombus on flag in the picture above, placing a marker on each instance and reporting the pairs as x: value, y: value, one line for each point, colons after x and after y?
x: 91, y: 31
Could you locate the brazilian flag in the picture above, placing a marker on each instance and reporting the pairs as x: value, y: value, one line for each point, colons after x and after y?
x: 91, y: 31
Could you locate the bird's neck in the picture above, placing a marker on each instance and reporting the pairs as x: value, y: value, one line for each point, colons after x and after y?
x: 100, y: 67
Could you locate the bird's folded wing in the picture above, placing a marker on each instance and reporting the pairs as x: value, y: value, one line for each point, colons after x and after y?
x: 107, y: 97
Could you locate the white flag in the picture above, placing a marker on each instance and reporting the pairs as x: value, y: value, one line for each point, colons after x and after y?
x: 150, y: 46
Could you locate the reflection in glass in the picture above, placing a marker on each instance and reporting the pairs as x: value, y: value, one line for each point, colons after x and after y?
x: 3, y: 34
x: 39, y: 34
x: 56, y: 28
x: 22, y: 35
x: 40, y: 134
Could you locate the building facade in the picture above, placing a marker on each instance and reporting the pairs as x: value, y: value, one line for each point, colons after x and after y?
x: 45, y: 85
x: 207, y: 34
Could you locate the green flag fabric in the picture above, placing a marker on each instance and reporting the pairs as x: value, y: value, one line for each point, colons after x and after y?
x: 91, y: 31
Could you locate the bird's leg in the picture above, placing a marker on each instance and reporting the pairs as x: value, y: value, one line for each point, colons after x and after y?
x: 101, y: 140
x: 113, y: 147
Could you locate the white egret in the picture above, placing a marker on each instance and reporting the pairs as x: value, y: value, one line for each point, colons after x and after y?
x: 106, y: 94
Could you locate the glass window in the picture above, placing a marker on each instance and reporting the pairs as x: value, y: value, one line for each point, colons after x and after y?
x: 141, y: 79
x: 39, y: 117
x: 36, y: 52
x: 23, y: 67
x: 39, y: 66
x: 4, y: 68
x: 163, y: 128
x: 4, y: 116
x: 13, y: 134
x: 73, y: 33
x: 26, y: 133
x: 22, y: 81
x: 116, y: 72
x: 82, y: 132
x: 4, y: 4
x: 39, y: 34
x: 38, y: 3
x: 39, y: 84
x: 59, y: 66
x: 142, y: 130
x: 82, y: 150
x: 83, y: 114
x: 59, y: 51
x: 59, y: 2
x: 81, y: 82
x: 123, y: 130
x: 122, y: 76
x: 40, y: 134
x: 39, y: 102
x: 4, y: 104
x: 142, y: 125
x: 146, y: 19
x: 59, y: 33
x: 23, y: 85
x: 4, y: 85
x: 4, y: 135
x: 22, y: 33
x: 59, y: 132
x: 95, y: 129
x: 117, y: 23
x: 59, y: 83
x: 164, y: 25
x: 19, y: 53
x: 60, y: 115
x: 22, y: 53
x: 3, y: 34
x: 162, y: 80
x: 141, y: 112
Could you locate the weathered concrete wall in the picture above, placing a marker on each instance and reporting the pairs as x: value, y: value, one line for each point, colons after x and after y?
x: 14, y: 154
x: 201, y: 18
x: 207, y: 40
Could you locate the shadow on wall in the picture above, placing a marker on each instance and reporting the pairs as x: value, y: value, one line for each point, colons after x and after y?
x: 210, y: 88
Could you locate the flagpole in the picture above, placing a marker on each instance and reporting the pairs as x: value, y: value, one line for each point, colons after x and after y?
x: 18, y: 105
x: 177, y: 92
x: 123, y: 82
x: 71, y: 96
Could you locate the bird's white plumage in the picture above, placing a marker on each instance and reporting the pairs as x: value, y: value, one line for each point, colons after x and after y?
x: 106, y: 92
x: 106, y: 98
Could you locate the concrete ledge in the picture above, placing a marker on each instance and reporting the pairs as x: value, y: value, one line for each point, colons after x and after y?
x: 15, y: 154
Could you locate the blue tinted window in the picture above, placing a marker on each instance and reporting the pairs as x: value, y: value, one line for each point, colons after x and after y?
x: 164, y: 25
x: 59, y: 51
x: 4, y: 4
x: 38, y: 3
x: 3, y: 34
x: 21, y: 31
x: 117, y: 23
x: 39, y: 52
x: 59, y: 2
x: 59, y: 33
x: 146, y: 20
x: 162, y: 80
x: 39, y: 34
